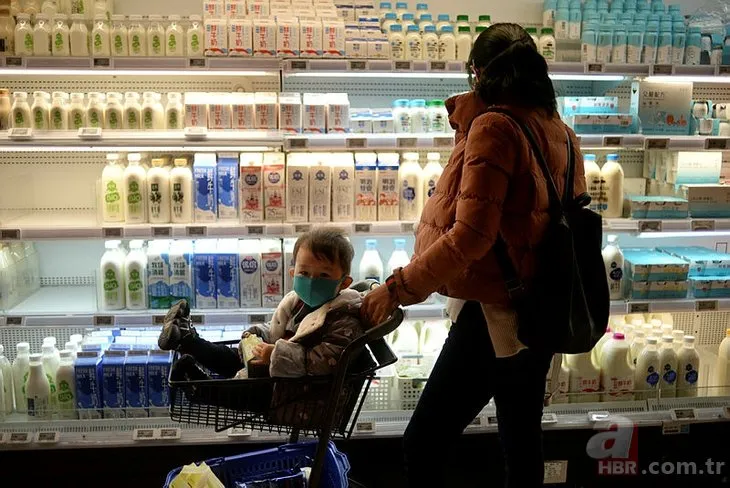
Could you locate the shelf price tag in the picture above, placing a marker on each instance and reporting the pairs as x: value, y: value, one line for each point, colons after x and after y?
x: 196, y: 132
x: 407, y: 142
x: 143, y: 435
x: 356, y: 143
x: 20, y: 133
x: 595, y: 68
x: 161, y: 231
x: 297, y: 142
x: 255, y: 230
x: 706, y: 306
x: 102, y: 63
x: 478, y: 421
x: 716, y: 143
x: 363, y: 228
x: 407, y: 227
x: 674, y: 428
x: 723, y: 70
x: 638, y: 307
x: 158, y: 319
x: 298, y: 65
x: 443, y: 141
x: 680, y: 414
x: 358, y: 65
x: 196, y: 231
x: 112, y: 232
x: 197, y: 63
x: 599, y: 416
x: 438, y: 66
x: 197, y: 319
x: 657, y: 143
x: 9, y: 234
x: 90, y: 133
x: 14, y: 320
x: 703, y: 225
x: 48, y: 437
x: 612, y: 141
x: 19, y: 438
x: 650, y: 226
x: 662, y: 69
x: 365, y: 427
x: 103, y: 320
x: 170, y: 434
x: 549, y: 418
x: 492, y: 420
x: 257, y: 319
x: 302, y: 228
x: 239, y: 432
x: 402, y: 66
x: 14, y: 62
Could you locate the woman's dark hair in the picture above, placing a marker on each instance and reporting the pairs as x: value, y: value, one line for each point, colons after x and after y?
x: 506, y: 68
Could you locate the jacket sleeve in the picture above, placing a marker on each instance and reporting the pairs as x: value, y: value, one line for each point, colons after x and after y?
x: 579, y: 183
x: 292, y: 359
x: 489, y: 161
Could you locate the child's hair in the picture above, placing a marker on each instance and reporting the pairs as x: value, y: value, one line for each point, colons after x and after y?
x: 328, y: 243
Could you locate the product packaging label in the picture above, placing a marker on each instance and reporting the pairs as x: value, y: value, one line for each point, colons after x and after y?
x: 228, y: 295
x: 181, y: 280
x: 244, y: 116
x: 366, y: 193
x: 216, y: 38
x: 264, y: 39
x: 206, y: 281
x: 252, y: 194
x: 388, y: 195
x: 113, y: 383
x: 158, y: 370
x: 272, y: 278
x: 320, y: 193
x: 158, y: 280
x: 250, y: 276
x: 240, y: 38
x: 228, y: 186
x: 135, y: 380
x: 88, y: 373
x: 297, y: 193
x: 206, y: 193
x: 274, y: 192
x: 219, y: 116
x: 343, y: 193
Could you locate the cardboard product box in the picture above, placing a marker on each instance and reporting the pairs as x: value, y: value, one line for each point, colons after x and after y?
x: 88, y: 372
x: 227, y: 173
x: 136, y: 393
x: 587, y: 105
x: 216, y: 37
x: 274, y: 187
x: 113, y: 390
x: 662, y: 108
x: 206, y: 187
x: 603, y: 124
x: 158, y: 372
x: 205, y: 274
x: 240, y: 37
x: 310, y: 38
x: 290, y: 112
x: 707, y: 201
x: 228, y: 291
x: 699, y: 167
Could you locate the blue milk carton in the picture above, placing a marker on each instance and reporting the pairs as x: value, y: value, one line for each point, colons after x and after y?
x: 158, y: 372
x: 228, y: 291
x: 87, y: 370
x: 228, y: 186
x: 158, y: 274
x: 135, y: 384
x: 206, y: 187
x: 112, y: 366
x: 205, y: 276
x: 181, y: 272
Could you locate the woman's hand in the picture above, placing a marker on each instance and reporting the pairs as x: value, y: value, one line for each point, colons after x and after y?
x: 263, y: 352
x: 377, y: 306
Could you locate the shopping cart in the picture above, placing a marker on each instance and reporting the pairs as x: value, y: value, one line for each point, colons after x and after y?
x: 326, y: 407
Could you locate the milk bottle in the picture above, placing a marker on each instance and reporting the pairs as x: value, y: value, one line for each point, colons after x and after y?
x: 617, y: 375
x: 38, y: 390
x: 431, y: 174
x: 249, y: 258
x: 134, y: 191
x: 613, y: 259
x: 112, y: 181
x: 598, y: 348
x: 722, y: 375
x: 21, y: 369
x: 593, y: 181
x: 272, y: 284
x: 405, y: 344
x: 399, y: 258
x: 585, y: 378
x: 411, y: 187
x: 66, y: 386
x: 50, y: 367
x: 668, y: 368
x: 181, y: 191
x: 371, y: 266
x: 112, y: 277
x: 158, y: 191
x: 366, y: 187
x: 8, y: 391
x: 646, y: 377
x: 181, y: 271
x: 320, y: 188
x: 297, y: 187
x: 135, y: 273
x: 288, y: 264
x: 433, y: 336
x: 689, y: 366
x: 388, y: 187
x: 158, y: 274
x: 637, y: 345
x: 252, y: 189
x: 612, y: 188
x: 678, y: 339
x: 343, y: 187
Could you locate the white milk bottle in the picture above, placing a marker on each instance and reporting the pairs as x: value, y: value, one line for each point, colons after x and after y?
x: 617, y: 374
x: 272, y: 272
x: 598, y: 348
x: 431, y: 174
x: 343, y: 187
x: 613, y: 259
x: 678, y: 339
x: 50, y: 367
x: 405, y: 344
x: 722, y: 370
x: 320, y: 188
x: 388, y: 187
x: 79, y: 36
x: 134, y: 190
x: 637, y: 345
x: 366, y: 187
x: 251, y: 167
x: 411, y: 187
x: 249, y: 257
x: 155, y: 36
x: 174, y: 112
x: 114, y: 111
x: 585, y: 378
x: 593, y: 181
x: 112, y: 182
x: 158, y: 192
x: 646, y: 377
x: 119, y: 36
x: 66, y: 386
x: 112, y: 277
x: 8, y: 391
x: 21, y: 368
x: 433, y: 336
x: 132, y: 111
x: 181, y: 192
x: 297, y: 186
x: 689, y: 367
x: 371, y: 265
x: 38, y: 391
x: 181, y: 271
x: 135, y: 273
x: 399, y: 258
x: 668, y: 368
x: 612, y: 188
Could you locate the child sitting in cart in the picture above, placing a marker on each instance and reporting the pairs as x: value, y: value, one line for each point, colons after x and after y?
x: 308, y: 332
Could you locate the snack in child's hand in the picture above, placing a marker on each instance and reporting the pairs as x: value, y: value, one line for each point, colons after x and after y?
x: 247, y: 345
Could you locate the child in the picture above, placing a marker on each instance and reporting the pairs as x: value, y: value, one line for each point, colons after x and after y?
x: 308, y: 332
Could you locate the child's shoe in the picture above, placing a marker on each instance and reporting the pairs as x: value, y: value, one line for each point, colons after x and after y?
x: 177, y: 326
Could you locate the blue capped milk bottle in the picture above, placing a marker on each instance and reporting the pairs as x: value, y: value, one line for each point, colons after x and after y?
x: 562, y: 16
x: 664, y: 49
x: 693, y: 50
x: 605, y: 44
x: 618, y: 54
x: 635, y: 44
x: 371, y: 265
x: 588, y: 45
x: 726, y: 47
x: 548, y: 13
x: 651, y: 41
x: 679, y: 42
x: 574, y: 20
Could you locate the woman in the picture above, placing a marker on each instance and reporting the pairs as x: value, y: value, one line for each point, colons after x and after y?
x: 492, y: 186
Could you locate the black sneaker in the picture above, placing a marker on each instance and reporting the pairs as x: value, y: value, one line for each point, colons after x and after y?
x: 177, y: 326
x: 187, y: 369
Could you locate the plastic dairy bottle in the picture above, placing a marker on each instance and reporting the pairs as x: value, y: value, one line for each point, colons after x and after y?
x: 181, y: 271
x: 181, y: 192
x: 722, y: 369
x: 618, y: 55
x: 388, y: 187
x: 174, y: 35
x: 297, y: 187
x: 23, y: 36
x: 38, y: 390
x: 463, y: 43
x: 399, y: 258
x: 678, y: 339
x: 668, y: 368
x: 585, y: 377
x: 407, y: 20
x: 612, y: 187
x: 119, y: 37
x: 390, y: 18
x: 155, y: 36
x: 413, y: 43
x: 100, y: 37
x: 419, y: 115
x: 132, y: 111
x: 95, y: 111
x: 397, y: 42
x: 637, y: 345
x: 153, y: 115
x: 50, y: 367
x: 613, y: 259
x: 647, y: 373
x: 574, y: 21
x: 635, y: 44
x: 651, y: 42
x: 405, y: 339
x: 249, y: 257
x: 112, y: 182
x: 617, y: 374
x: 593, y: 182
x: 430, y: 43
x: 174, y: 112
x: 371, y: 266
x: 66, y: 386
x: 114, y: 111
x: 61, y: 45
x: 112, y: 277
x: 8, y: 391
x: 158, y: 192
x: 547, y: 44
x: 664, y: 49
x: 693, y: 51
x: 21, y: 369
x: 20, y: 111
x: 194, y: 37
x: 447, y: 44
x: 135, y: 274
x: 679, y: 42
x: 134, y: 190
x: 442, y: 20
x: 688, y: 368
x: 137, y: 36
x: 343, y: 187
x: 40, y: 111
x: 79, y: 36
x: 42, y: 36
x: 589, y: 42
x: 548, y: 13
x: 604, y: 46
x: 411, y: 187
x: 76, y: 112
x: 561, y: 22
x: 366, y: 187
x: 431, y: 174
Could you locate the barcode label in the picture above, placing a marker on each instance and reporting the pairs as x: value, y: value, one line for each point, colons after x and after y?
x: 680, y: 414
x: 197, y: 63
x: 170, y: 434
x: 407, y: 142
x: 438, y: 65
x: 706, y: 306
x: 358, y: 65
x: 14, y: 62
x: 48, y: 437
x: 102, y: 63
x: 657, y: 143
x: 15, y: 320
x: 298, y: 65
x: 356, y: 143
x: 595, y: 68
x: 443, y: 141
x: 663, y: 69
x: 549, y: 418
x: 365, y: 427
x: 407, y: 227
x: 302, y: 228
x: 257, y: 319
x: 650, y: 226
x: 716, y: 144
x: 197, y: 319
x: 612, y: 141
x: 19, y: 438
x: 158, y: 319
x: 143, y: 434
x: 298, y: 143
x: 403, y: 66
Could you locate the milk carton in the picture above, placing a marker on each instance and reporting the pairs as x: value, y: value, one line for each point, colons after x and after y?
x: 181, y: 272
x: 310, y: 38
x: 227, y: 186
x: 266, y: 113
x: 249, y: 260
x: 297, y: 187
x: 204, y: 272
x: 366, y: 187
x: 158, y: 274
x: 272, y: 277
x: 333, y: 39
x: 219, y: 111
x: 235, y: 9
x: 252, y: 187
x: 158, y: 371
x: 228, y: 292
x: 135, y: 384
x: 258, y: 8
x: 388, y: 195
x: 196, y: 110
x: 274, y: 209
x: 315, y: 113
x: 240, y: 37
x: 288, y: 264
x: 343, y: 187
x: 216, y: 37
x: 338, y: 113
x: 320, y: 188
x: 264, y: 37
x: 243, y: 112
x: 290, y: 113
x: 213, y: 8
x: 88, y: 374
x: 206, y: 188
x: 112, y: 366
x: 287, y: 37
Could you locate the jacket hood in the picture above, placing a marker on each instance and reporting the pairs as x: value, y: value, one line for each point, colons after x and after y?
x: 463, y: 109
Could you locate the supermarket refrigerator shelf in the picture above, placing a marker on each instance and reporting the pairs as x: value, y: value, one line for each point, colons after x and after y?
x: 623, y: 307
x: 668, y: 227
x: 141, y: 65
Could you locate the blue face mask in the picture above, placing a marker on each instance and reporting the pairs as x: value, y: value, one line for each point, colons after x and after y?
x: 316, y: 291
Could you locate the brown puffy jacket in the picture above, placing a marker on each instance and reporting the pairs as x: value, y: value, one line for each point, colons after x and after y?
x: 492, y: 185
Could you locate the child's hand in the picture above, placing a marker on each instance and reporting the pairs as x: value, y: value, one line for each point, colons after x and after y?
x: 263, y: 352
